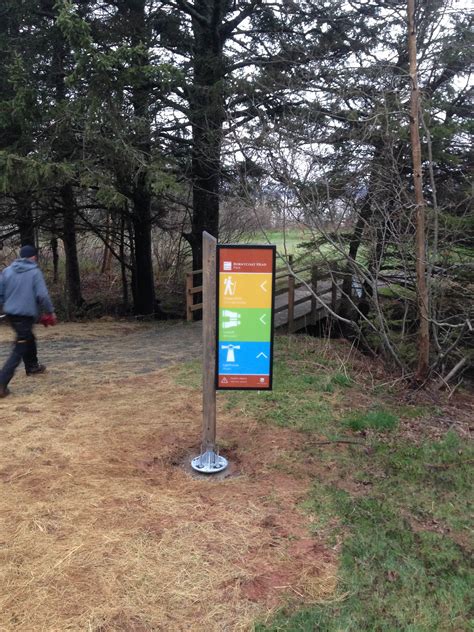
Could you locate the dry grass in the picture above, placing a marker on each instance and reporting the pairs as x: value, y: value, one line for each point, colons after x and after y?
x: 102, y: 529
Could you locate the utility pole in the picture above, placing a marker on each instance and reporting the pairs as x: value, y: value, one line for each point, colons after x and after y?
x: 420, y: 251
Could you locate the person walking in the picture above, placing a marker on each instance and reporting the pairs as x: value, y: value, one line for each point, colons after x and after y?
x: 23, y: 294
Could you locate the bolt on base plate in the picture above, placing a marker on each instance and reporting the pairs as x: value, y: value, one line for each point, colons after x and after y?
x: 209, y: 463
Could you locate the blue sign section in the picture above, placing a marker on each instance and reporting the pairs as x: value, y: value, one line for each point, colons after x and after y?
x: 244, y: 358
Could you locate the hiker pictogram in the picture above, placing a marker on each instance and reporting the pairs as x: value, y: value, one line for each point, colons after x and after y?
x: 230, y: 286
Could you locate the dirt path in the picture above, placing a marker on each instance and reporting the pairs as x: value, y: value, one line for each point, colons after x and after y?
x: 107, y: 350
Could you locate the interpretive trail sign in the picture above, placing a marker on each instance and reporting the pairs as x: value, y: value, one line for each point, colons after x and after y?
x: 245, y: 296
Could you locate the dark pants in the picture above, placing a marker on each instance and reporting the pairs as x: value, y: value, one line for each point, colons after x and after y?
x: 24, y: 348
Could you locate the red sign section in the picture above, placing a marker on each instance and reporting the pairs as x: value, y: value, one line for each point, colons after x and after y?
x: 246, y: 260
x: 244, y: 381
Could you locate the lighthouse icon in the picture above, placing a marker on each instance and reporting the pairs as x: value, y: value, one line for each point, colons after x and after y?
x: 230, y: 352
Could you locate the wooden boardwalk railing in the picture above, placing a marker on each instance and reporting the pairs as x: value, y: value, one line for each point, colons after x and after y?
x: 191, y: 292
x: 295, y: 304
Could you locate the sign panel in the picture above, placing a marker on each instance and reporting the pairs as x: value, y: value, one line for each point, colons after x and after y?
x: 245, y: 295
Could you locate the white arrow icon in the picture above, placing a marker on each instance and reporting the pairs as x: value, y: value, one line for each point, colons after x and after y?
x: 261, y: 354
x: 262, y: 319
x: 262, y: 285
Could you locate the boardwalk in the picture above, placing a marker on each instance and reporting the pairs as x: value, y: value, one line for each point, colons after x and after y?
x: 304, y: 314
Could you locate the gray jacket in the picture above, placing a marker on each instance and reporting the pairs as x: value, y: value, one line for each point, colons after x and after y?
x: 23, y: 291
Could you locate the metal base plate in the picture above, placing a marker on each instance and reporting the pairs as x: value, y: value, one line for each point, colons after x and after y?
x: 209, y: 463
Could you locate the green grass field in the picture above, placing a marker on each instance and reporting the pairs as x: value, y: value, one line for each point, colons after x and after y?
x: 286, y: 241
x: 292, y: 240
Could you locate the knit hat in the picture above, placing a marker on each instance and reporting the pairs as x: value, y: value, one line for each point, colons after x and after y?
x: 28, y: 251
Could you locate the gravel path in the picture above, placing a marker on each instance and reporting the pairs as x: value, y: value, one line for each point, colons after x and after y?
x: 139, y: 349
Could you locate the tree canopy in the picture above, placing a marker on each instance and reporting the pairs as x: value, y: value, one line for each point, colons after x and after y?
x: 125, y: 117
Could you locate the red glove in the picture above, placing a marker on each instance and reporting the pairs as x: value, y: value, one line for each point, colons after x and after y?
x: 48, y: 320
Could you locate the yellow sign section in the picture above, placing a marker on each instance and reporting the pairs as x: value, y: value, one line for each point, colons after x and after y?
x: 245, y: 290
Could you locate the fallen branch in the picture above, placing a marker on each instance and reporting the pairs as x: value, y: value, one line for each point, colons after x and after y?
x: 454, y: 371
x: 446, y: 466
x: 338, y: 441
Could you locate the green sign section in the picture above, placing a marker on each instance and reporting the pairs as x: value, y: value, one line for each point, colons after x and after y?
x: 246, y: 324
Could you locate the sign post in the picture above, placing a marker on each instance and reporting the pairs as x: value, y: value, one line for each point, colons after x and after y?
x: 237, y: 331
x: 209, y: 461
x: 246, y: 289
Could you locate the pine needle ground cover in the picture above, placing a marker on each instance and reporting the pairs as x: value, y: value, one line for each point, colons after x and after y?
x: 102, y: 525
x: 347, y: 505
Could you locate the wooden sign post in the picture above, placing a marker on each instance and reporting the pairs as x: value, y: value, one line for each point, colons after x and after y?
x: 209, y: 460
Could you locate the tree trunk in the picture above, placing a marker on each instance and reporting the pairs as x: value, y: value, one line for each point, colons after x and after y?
x: 107, y: 255
x: 24, y: 219
x: 207, y: 117
x: 65, y: 147
x: 354, y: 244
x: 144, y: 295
x: 123, y: 267
x: 133, y: 264
x: 73, y: 277
x: 422, y: 289
x: 363, y: 220
x: 54, y: 251
x: 143, y: 283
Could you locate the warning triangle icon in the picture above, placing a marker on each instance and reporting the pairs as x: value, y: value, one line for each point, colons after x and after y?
x: 224, y: 380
